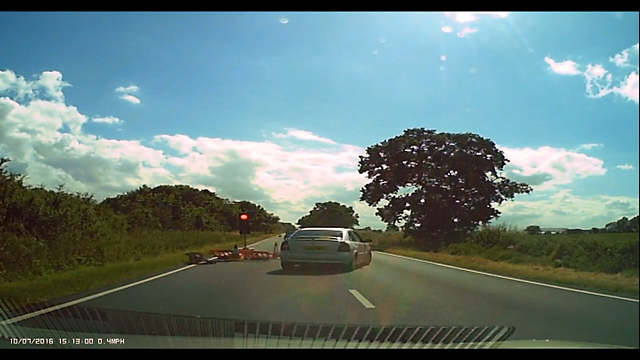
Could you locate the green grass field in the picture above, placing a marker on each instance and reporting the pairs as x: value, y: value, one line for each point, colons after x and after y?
x: 606, y: 262
x: 55, y: 285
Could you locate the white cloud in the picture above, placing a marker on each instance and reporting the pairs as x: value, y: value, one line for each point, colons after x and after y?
x: 466, y: 31
x: 589, y: 146
x: 130, y: 98
x: 108, y: 120
x: 595, y: 71
x: 45, y: 139
x: 9, y: 81
x: 601, y: 82
x: 567, y: 67
x: 182, y: 143
x: 131, y: 89
x: 598, y: 81
x: 466, y: 16
x: 128, y: 90
x: 446, y: 29
x: 625, y: 167
x: 304, y: 135
x: 546, y: 168
x: 564, y: 209
x: 49, y: 85
x: 629, y: 88
x: 627, y: 57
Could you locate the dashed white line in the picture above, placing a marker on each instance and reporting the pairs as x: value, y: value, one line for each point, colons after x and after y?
x: 363, y: 300
x: 91, y: 297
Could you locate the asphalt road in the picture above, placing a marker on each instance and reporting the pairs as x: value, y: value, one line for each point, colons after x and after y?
x: 392, y: 290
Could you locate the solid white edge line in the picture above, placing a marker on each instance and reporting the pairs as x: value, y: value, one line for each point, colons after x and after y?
x: 511, y: 278
x: 91, y: 297
x: 363, y: 300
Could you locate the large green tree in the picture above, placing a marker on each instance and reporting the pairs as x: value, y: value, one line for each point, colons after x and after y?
x: 332, y: 214
x: 453, y: 182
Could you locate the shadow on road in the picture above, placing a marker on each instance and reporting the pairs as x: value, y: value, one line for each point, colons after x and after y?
x: 308, y: 271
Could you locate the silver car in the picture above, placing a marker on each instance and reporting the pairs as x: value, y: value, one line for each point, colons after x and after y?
x: 339, y: 246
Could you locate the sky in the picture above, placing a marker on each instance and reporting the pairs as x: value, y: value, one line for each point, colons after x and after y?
x: 276, y: 108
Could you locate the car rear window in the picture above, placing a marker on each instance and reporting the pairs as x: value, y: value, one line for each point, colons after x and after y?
x: 317, y: 233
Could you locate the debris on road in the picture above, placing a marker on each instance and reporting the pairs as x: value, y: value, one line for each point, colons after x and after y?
x: 228, y: 256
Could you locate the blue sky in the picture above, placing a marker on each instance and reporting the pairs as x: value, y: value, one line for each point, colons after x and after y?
x: 275, y: 108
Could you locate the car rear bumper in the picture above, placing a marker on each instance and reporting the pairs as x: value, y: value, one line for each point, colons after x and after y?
x: 337, y: 258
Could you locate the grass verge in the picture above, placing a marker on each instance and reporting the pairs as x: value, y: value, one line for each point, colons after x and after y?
x: 92, y: 278
x: 607, y: 283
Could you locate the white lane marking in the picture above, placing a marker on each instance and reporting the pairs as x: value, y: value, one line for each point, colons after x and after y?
x: 74, y: 302
x: 513, y: 279
x: 363, y: 300
x: 91, y: 297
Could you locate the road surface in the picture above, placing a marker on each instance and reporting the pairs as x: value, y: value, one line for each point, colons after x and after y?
x: 392, y: 290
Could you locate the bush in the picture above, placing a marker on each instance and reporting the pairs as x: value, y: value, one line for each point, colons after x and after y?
x: 385, y: 240
x: 613, y: 253
x: 536, y: 245
x: 500, y: 236
x: 610, y: 253
x: 464, y: 249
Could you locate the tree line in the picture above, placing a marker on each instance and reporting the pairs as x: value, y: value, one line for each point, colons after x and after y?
x: 44, y: 230
x: 622, y: 225
x: 181, y: 207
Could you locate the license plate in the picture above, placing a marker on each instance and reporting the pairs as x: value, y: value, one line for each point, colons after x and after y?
x: 313, y: 247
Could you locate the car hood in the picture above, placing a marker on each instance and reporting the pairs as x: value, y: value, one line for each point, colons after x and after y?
x: 553, y: 344
x: 81, y: 340
x: 80, y: 327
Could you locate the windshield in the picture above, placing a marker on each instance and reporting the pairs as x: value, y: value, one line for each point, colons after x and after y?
x: 454, y: 178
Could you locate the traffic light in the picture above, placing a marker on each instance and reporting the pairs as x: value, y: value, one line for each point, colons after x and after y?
x: 244, y: 224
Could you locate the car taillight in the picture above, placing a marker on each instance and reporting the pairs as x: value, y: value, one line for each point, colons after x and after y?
x: 344, y: 247
x: 284, y: 246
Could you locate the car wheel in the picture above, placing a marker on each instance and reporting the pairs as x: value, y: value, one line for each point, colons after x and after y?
x: 287, y: 266
x: 369, y: 258
x: 350, y: 266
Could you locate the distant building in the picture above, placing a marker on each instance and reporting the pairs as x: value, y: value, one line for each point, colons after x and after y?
x: 553, y: 231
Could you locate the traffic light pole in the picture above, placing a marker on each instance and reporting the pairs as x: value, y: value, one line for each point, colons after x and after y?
x: 244, y: 227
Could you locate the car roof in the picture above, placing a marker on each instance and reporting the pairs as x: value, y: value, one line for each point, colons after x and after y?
x: 324, y: 228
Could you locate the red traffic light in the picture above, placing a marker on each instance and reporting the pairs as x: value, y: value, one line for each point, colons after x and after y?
x: 244, y: 217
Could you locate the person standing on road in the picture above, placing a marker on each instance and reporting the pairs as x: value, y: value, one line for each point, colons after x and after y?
x: 236, y: 252
x: 275, y: 250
